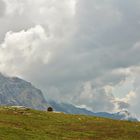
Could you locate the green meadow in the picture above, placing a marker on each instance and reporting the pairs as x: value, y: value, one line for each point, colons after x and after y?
x: 27, y: 124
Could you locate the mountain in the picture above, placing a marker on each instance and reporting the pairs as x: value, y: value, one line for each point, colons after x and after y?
x: 71, y: 109
x: 17, y: 92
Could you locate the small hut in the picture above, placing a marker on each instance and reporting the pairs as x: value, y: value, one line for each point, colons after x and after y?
x: 50, y: 109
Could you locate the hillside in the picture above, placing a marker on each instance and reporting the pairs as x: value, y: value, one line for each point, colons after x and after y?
x: 26, y: 124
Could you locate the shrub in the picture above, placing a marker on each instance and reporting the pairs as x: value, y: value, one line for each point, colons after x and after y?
x: 50, y: 109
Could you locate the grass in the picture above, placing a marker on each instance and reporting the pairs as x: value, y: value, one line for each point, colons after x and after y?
x: 27, y: 124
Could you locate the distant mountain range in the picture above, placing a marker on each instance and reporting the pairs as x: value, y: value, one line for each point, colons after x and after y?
x: 17, y: 92
x: 71, y: 109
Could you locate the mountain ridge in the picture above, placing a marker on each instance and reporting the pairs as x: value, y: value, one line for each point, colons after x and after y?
x: 15, y: 91
x: 71, y: 109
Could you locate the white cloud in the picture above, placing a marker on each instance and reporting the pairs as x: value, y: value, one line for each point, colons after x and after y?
x: 21, y: 50
x: 95, y: 99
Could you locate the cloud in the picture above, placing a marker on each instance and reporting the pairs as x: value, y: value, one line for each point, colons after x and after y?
x: 124, y: 103
x: 2, y: 8
x: 21, y: 48
x: 100, y: 99
x: 62, y: 45
x: 134, y: 102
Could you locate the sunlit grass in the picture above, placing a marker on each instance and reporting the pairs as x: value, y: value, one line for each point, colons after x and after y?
x: 27, y: 124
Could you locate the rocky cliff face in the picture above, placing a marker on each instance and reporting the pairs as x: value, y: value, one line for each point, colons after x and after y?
x: 15, y: 91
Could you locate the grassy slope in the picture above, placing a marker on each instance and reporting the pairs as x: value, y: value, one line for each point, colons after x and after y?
x: 17, y: 124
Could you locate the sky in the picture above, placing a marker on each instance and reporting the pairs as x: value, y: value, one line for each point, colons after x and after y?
x: 84, y: 52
